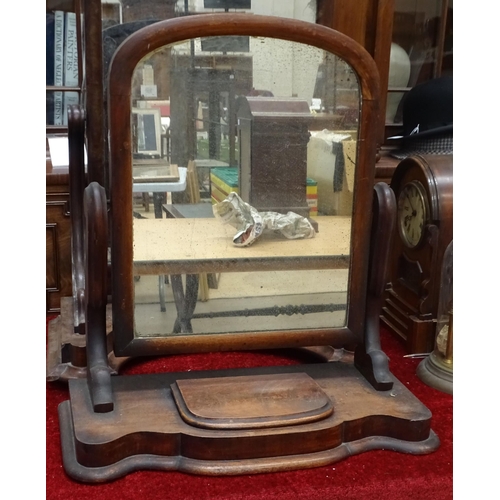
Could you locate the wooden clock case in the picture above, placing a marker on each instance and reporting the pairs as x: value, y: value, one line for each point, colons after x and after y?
x: 224, y: 422
x: 411, y: 299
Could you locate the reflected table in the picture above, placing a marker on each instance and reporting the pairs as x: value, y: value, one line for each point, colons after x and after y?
x: 192, y: 246
x: 160, y: 188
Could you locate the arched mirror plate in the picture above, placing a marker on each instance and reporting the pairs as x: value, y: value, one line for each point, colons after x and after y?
x: 244, y: 158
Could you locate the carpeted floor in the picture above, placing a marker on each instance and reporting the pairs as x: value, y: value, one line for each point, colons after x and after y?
x: 372, y: 475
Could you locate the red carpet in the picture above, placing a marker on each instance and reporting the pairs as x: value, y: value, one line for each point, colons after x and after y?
x: 372, y: 475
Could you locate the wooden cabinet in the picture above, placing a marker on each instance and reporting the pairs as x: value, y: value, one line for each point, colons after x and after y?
x: 58, y: 245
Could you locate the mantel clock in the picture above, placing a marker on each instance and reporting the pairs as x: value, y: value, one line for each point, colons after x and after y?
x: 423, y: 186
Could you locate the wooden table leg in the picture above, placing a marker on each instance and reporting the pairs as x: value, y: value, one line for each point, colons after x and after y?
x: 158, y: 200
x: 185, y: 301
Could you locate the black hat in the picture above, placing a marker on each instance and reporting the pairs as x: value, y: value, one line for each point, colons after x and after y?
x: 428, y: 117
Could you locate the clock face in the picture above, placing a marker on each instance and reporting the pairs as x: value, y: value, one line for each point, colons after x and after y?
x: 412, y: 213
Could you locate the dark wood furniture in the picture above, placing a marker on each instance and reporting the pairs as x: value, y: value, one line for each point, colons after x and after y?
x: 410, y: 305
x: 64, y: 216
x: 58, y: 246
x: 241, y: 421
x: 66, y: 339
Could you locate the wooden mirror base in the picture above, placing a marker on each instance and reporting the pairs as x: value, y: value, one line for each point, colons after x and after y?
x: 189, y: 422
x: 66, y: 349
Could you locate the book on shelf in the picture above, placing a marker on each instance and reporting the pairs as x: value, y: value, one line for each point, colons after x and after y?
x: 58, y: 65
x: 49, y: 60
x: 70, y: 63
x: 61, y: 64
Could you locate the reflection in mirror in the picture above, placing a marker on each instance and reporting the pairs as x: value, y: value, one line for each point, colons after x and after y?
x: 274, y: 123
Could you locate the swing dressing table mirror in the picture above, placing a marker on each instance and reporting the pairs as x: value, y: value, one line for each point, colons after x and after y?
x: 256, y: 107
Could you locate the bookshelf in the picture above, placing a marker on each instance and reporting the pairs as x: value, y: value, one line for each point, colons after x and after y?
x: 63, y: 61
x: 63, y: 52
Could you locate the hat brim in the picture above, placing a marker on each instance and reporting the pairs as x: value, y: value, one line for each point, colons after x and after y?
x: 401, y: 154
x: 426, y: 133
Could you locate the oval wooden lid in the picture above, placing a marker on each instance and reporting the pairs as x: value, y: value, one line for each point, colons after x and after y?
x: 251, y: 402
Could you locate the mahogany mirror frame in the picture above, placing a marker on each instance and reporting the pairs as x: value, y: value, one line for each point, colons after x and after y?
x: 124, y: 62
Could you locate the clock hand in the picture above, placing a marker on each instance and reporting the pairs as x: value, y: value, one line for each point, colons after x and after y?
x: 409, y: 201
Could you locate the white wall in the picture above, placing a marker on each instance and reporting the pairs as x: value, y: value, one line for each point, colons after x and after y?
x: 297, y: 9
x: 285, y: 68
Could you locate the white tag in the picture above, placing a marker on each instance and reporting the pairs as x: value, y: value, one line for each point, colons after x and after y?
x: 416, y: 130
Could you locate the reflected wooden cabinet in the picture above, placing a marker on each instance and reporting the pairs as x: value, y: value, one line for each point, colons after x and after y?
x: 273, y: 152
